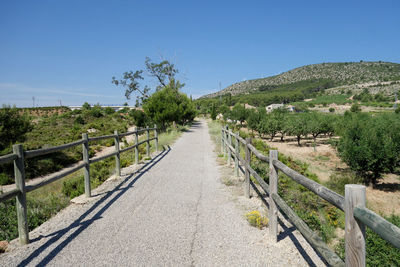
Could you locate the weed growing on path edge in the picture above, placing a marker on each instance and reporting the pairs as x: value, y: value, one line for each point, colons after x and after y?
x: 256, y: 219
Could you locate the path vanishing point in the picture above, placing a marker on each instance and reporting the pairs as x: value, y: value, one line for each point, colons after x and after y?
x: 171, y: 211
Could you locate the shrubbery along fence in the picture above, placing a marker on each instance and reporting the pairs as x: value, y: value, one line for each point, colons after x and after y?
x: 19, y: 155
x: 353, y: 204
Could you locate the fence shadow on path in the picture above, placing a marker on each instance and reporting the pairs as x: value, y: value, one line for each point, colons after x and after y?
x: 288, y: 232
x: 80, y: 224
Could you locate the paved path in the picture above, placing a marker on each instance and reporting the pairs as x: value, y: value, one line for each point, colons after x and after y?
x: 173, y: 212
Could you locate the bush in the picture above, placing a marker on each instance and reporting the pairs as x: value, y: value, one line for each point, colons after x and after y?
x: 331, y: 110
x: 13, y: 126
x: 79, y: 120
x: 355, y: 108
x: 255, y: 219
x: 371, y: 145
x: 139, y: 117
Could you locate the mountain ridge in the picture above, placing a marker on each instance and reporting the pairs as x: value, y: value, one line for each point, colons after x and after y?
x: 338, y: 73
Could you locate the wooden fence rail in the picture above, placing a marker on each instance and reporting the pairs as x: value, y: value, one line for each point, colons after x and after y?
x: 19, y: 155
x: 353, y: 204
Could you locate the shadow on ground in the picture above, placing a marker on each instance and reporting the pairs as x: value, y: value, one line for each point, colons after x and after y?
x: 81, y: 224
x: 288, y: 231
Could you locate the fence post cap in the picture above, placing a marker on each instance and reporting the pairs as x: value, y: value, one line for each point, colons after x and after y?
x: 16, y: 145
x: 355, y: 186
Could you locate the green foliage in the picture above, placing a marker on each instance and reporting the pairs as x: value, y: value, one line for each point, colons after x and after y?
x: 86, y: 106
x: 99, y: 172
x: 379, y: 252
x: 169, y: 105
x: 79, y: 120
x: 355, y: 108
x: 109, y: 111
x: 13, y: 126
x: 271, y: 124
x: 371, y: 145
x: 139, y: 117
x: 239, y: 113
x: 213, y: 112
x: 39, y: 210
x: 61, y: 129
x: 297, y: 125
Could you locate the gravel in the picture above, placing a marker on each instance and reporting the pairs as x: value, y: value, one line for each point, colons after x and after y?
x: 171, y: 211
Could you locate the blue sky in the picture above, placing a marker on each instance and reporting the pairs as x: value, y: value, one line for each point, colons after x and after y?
x: 70, y: 50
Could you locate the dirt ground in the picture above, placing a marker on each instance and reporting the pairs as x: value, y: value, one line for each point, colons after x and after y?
x: 384, y: 199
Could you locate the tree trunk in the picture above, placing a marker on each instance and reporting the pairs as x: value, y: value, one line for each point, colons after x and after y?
x: 298, y: 140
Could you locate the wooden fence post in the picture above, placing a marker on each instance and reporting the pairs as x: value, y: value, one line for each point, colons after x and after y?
x: 225, y: 140
x: 148, y: 142
x: 237, y: 156
x: 117, y: 157
x: 247, y: 172
x: 273, y: 189
x: 19, y: 172
x: 156, y: 136
x: 86, y: 169
x: 354, y: 229
x: 136, y: 147
x: 229, y: 148
x: 222, y: 141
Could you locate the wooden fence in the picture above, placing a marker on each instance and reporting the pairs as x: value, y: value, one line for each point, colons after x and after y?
x: 353, y: 204
x: 19, y: 155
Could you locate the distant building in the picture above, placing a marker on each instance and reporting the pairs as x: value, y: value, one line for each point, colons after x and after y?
x: 247, y: 106
x: 271, y: 107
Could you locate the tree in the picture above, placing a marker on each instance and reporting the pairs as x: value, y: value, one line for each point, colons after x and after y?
x: 168, y: 105
x: 13, y: 126
x: 253, y: 120
x: 239, y: 113
x: 164, y: 72
x: 297, y: 125
x: 86, y: 106
x: 316, y: 125
x: 371, y: 145
x: 139, y: 117
x: 213, y: 112
x: 270, y: 125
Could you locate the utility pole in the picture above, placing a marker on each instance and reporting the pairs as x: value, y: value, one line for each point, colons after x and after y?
x: 33, y: 100
x: 59, y: 100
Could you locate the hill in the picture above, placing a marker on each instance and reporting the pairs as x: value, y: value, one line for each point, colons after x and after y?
x: 324, y: 75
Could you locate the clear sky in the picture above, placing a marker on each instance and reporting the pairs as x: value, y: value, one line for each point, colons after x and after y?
x: 69, y: 50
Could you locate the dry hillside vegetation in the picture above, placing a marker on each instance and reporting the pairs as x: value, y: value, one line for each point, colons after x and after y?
x: 347, y: 73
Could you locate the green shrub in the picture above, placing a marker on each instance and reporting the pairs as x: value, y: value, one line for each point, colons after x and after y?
x: 74, y: 187
x: 79, y: 120
x: 255, y: 219
x: 379, y: 252
x: 5, y: 179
